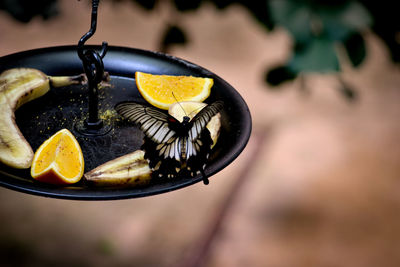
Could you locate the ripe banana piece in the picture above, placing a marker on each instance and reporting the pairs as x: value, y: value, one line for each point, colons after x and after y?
x: 129, y: 170
x: 17, y: 87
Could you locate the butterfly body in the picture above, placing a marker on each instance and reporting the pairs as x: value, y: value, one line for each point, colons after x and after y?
x: 181, y: 128
x: 173, y: 148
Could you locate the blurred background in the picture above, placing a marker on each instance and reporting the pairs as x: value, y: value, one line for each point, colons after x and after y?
x: 318, y: 183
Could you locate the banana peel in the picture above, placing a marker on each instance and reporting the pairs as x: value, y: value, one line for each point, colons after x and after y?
x: 17, y: 87
x: 129, y: 170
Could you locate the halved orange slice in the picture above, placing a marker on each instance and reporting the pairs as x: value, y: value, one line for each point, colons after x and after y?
x: 164, y: 90
x: 59, y: 160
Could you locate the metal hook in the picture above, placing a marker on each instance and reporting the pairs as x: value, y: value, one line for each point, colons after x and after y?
x: 86, y: 36
x: 94, y: 68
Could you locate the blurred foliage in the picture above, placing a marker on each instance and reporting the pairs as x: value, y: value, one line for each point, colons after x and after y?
x: 25, y: 10
x: 317, y: 28
x: 386, y: 24
x: 172, y: 35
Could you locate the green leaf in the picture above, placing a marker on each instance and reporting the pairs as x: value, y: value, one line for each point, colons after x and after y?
x: 339, y: 23
x: 319, y: 55
x: 307, y: 19
x: 295, y: 16
x: 356, y: 16
x: 355, y: 47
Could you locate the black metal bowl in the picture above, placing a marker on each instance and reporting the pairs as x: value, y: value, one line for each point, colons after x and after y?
x: 64, y: 107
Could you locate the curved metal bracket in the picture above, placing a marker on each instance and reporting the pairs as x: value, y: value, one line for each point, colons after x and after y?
x: 94, y: 69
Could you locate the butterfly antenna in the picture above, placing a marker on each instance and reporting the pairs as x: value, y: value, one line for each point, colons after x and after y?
x: 195, y: 110
x: 179, y: 104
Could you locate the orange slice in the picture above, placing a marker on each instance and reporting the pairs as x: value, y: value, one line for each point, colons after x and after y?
x: 164, y: 90
x: 59, y: 160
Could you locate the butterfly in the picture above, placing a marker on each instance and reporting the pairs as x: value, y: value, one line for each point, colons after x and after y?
x: 172, y: 147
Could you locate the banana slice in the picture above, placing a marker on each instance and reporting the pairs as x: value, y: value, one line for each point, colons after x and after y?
x: 129, y: 170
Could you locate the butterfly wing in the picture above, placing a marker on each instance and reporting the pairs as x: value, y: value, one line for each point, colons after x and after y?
x: 169, y: 151
x: 153, y: 123
x: 199, y: 123
x: 198, y: 140
x: 161, y: 143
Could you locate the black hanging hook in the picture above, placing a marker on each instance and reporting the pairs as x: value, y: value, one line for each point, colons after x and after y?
x: 94, y: 69
x: 91, y: 59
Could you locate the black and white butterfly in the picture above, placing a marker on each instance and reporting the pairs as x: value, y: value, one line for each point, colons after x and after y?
x: 173, y: 148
